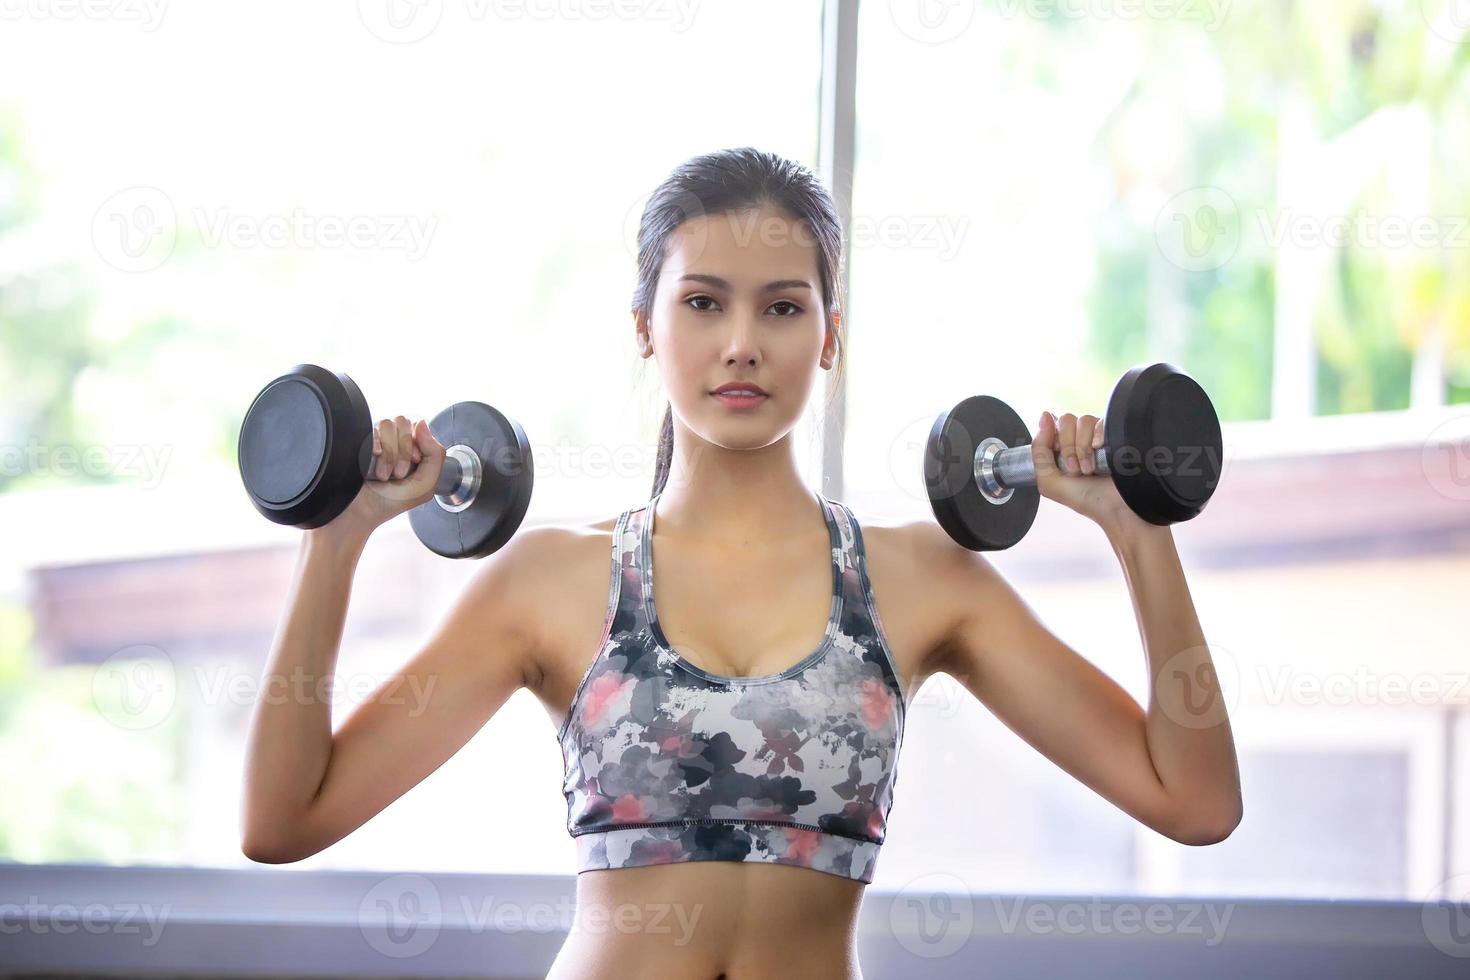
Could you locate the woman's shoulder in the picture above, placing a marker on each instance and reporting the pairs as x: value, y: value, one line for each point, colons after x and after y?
x: 890, y: 540
x: 915, y: 559
x: 568, y: 555
x: 555, y: 544
x: 563, y: 571
x: 911, y: 568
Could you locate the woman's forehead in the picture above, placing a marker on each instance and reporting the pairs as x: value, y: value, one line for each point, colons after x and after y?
x: 746, y: 253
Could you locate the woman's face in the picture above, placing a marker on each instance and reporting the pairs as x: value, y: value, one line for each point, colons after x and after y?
x: 739, y: 299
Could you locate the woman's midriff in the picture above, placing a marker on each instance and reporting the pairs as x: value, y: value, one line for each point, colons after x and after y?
x: 702, y: 920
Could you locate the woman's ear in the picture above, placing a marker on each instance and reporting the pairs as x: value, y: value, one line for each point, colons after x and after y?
x: 641, y: 335
x: 829, y: 348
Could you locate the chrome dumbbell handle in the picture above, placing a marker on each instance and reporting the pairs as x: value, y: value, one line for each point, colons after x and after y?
x: 998, y: 469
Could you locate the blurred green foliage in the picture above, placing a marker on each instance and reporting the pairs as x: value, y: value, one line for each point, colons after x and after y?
x: 74, y: 786
x: 1350, y: 59
x: 46, y: 340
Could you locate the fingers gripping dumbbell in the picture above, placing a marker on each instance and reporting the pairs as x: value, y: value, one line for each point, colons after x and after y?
x: 1161, y: 446
x: 306, y: 447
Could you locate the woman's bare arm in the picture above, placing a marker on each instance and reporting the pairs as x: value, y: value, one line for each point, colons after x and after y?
x: 306, y: 788
x: 1181, y: 781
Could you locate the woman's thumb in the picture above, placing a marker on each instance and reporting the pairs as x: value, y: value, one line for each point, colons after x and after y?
x: 1043, y: 446
x: 423, y: 437
x: 431, y: 458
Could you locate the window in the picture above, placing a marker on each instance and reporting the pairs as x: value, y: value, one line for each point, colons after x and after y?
x: 444, y: 207
x: 1272, y: 198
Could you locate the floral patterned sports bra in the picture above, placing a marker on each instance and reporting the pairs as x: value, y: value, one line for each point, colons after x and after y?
x: 665, y: 762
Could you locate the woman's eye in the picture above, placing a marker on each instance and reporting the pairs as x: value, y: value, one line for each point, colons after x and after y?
x: 794, y: 310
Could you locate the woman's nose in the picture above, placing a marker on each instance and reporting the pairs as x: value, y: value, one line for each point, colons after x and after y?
x: 742, y: 346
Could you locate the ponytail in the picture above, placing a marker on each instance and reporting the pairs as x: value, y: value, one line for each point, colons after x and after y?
x: 665, y: 452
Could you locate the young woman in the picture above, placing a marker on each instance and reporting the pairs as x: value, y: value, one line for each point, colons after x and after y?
x: 731, y: 735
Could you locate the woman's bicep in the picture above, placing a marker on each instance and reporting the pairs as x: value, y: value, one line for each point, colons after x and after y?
x: 476, y: 657
x: 1042, y: 689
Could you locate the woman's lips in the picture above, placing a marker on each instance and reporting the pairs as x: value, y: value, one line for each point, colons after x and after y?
x: 738, y: 400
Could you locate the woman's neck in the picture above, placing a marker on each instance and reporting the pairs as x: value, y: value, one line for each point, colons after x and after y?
x: 726, y: 494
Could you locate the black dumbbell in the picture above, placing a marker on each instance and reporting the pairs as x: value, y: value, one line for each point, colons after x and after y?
x: 1161, y: 445
x: 306, y: 446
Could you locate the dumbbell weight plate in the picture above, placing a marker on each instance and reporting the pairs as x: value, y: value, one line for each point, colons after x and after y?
x: 505, y: 488
x: 976, y: 521
x: 1164, y: 443
x: 302, y: 444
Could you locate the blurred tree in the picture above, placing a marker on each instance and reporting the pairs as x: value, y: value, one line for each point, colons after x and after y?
x: 1351, y: 59
x: 46, y: 309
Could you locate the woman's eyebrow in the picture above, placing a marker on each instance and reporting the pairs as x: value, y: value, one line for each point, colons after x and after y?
x: 770, y: 287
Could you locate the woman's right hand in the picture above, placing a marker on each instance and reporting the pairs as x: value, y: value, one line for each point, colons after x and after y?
x: 405, y: 466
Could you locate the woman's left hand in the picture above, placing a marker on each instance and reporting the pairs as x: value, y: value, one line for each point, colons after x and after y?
x: 1079, y: 486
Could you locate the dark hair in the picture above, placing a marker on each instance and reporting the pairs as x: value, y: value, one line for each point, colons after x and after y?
x: 724, y: 182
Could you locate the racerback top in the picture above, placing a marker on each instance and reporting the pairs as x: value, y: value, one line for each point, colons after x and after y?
x: 665, y: 762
